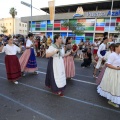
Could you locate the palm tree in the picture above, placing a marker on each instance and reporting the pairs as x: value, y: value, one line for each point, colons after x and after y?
x: 118, y: 28
x: 4, y: 30
x: 77, y: 28
x: 13, y: 13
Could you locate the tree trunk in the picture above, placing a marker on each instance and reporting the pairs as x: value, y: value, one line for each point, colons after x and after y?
x: 13, y: 26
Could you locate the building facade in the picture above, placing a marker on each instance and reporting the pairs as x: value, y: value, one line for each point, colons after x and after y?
x: 19, y: 27
x: 95, y: 24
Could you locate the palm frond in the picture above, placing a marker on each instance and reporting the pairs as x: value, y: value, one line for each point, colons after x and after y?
x: 117, y: 28
x: 13, y: 12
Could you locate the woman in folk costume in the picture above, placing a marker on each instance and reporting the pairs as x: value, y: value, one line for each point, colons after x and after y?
x: 11, y: 61
x: 55, y: 77
x: 69, y: 59
x: 100, y: 76
x: 28, y: 59
x: 110, y: 84
x: 100, y: 53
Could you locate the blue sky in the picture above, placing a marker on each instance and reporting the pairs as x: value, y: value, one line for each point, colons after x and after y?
x: 22, y: 10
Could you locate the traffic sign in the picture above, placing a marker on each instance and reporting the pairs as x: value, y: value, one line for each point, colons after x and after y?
x: 26, y: 4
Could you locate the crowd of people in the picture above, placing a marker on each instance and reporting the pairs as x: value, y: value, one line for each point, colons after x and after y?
x: 104, y: 53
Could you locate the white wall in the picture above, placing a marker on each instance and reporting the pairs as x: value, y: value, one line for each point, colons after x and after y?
x: 21, y: 28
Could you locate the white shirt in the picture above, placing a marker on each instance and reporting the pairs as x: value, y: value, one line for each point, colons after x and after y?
x: 101, y: 48
x: 96, y: 45
x: 114, y: 59
x: 29, y: 43
x: 10, y: 50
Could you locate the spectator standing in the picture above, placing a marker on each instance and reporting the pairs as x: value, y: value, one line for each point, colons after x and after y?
x: 80, y: 47
x: 49, y: 41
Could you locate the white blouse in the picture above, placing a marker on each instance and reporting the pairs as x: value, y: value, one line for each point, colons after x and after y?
x: 29, y: 43
x: 52, y: 49
x: 114, y: 59
x: 10, y: 50
x: 101, y: 48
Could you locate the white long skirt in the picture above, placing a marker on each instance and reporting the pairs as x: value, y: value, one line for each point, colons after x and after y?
x: 110, y: 85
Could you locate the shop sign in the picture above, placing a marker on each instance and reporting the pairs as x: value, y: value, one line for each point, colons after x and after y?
x: 95, y: 14
x: 102, y: 14
x: 114, y: 13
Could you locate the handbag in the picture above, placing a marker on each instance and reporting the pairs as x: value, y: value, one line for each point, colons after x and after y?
x: 103, y: 52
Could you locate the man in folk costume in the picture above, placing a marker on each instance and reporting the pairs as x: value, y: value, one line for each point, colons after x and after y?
x: 101, y: 53
x: 28, y: 60
x: 11, y: 61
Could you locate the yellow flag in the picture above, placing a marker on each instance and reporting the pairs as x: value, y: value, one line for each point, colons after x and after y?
x: 51, y: 5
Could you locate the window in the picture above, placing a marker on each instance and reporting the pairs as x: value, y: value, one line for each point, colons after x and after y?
x: 20, y: 24
x: 23, y: 25
x: 10, y: 24
x: 23, y: 31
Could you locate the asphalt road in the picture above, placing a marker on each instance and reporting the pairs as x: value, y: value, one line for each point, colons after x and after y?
x: 31, y: 100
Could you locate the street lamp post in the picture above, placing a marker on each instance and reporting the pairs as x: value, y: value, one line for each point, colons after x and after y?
x: 110, y: 18
x: 31, y: 17
x: 30, y: 6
